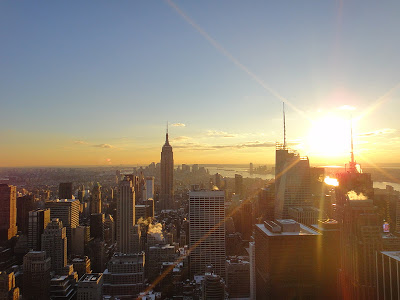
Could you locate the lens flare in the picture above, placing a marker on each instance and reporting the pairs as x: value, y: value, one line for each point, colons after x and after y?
x: 331, y: 181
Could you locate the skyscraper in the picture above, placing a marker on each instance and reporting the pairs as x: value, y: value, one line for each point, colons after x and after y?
x: 37, y: 222
x: 54, y: 242
x: 239, y: 185
x: 149, y: 188
x: 95, y: 199
x: 65, y: 190
x: 292, y: 181
x: 167, y: 175
x: 67, y: 210
x: 36, y: 275
x: 8, y: 211
x: 286, y: 260
x: 125, y: 216
x: 207, y: 231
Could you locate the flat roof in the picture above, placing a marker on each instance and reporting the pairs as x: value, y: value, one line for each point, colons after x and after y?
x: 304, y: 230
x: 392, y: 254
x: 91, y: 277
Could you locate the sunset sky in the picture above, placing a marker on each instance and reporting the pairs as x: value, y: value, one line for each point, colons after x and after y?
x: 95, y: 82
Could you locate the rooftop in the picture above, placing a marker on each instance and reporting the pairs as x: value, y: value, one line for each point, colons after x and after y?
x: 392, y: 254
x: 286, y: 227
x: 90, y: 277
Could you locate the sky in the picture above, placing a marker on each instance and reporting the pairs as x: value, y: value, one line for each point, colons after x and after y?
x: 95, y: 82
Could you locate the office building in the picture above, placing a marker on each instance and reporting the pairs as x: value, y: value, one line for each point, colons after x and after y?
x: 167, y: 176
x: 207, y: 231
x: 8, y: 211
x: 97, y: 226
x: 65, y: 190
x: 292, y: 181
x: 149, y: 187
x: 61, y: 288
x: 37, y: 222
x: 306, y: 215
x: 109, y: 230
x: 238, y: 277
x: 124, y: 276
x: 95, y: 199
x: 252, y: 257
x: 8, y: 290
x: 67, y: 211
x: 213, y: 286
x: 80, y: 240
x: 125, y: 216
x: 239, y: 185
x: 25, y: 204
x: 388, y: 279
x: 156, y: 256
x: 82, y: 265
x: 266, y: 203
x: 329, y: 255
x: 286, y: 260
x: 360, y: 239
x: 90, y: 286
x: 54, y: 242
x: 36, y: 275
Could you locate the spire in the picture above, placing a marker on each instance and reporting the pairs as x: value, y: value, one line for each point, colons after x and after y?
x: 284, y: 127
x: 353, y: 163
x: 166, y: 136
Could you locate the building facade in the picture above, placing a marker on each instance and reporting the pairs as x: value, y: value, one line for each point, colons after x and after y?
x: 167, y: 176
x: 8, y: 211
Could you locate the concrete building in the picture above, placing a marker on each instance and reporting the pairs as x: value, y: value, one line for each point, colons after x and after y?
x: 61, y: 288
x: 388, y: 280
x: 306, y: 215
x: 80, y: 240
x: 207, y: 231
x: 82, y: 265
x: 65, y: 190
x: 109, y: 230
x: 54, y: 242
x: 67, y: 211
x: 95, y: 199
x: 124, y: 276
x: 213, y: 286
x: 8, y: 211
x: 125, y: 216
x: 97, y: 226
x: 286, y: 260
x: 238, y: 277
x: 90, y: 286
x: 360, y: 239
x: 167, y: 176
x: 252, y: 257
x: 36, y: 275
x: 25, y: 204
x: 156, y: 256
x: 8, y: 290
x: 37, y: 222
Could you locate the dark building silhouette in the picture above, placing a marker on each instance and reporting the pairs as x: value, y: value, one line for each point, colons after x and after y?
x: 266, y: 203
x: 37, y: 222
x: 36, y: 275
x: 239, y: 185
x: 167, y: 176
x: 286, y: 260
x: 25, y: 204
x: 213, y: 286
x: 8, y: 211
x: 65, y: 190
x: 360, y: 240
x: 95, y: 199
x: 97, y: 226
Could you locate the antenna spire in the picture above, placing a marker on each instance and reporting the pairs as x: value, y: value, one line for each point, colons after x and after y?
x: 352, y: 162
x: 166, y: 136
x: 284, y: 126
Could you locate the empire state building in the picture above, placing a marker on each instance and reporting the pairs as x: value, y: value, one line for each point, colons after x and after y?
x: 167, y: 175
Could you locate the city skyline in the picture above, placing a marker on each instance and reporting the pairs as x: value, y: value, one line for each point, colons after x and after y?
x: 94, y: 83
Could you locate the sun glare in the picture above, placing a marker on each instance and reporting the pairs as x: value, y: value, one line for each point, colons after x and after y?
x: 329, y: 136
x: 331, y: 181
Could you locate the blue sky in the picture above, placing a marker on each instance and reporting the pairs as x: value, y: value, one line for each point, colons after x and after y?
x: 79, y: 75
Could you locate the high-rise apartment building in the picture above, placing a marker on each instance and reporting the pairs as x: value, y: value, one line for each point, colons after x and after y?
x: 167, y: 176
x: 95, y: 199
x: 8, y: 211
x: 125, y: 216
x: 207, y: 231
x: 292, y: 181
x: 90, y: 286
x: 37, y: 222
x: 36, y: 275
x: 54, y: 242
x: 67, y: 211
x: 65, y: 190
x: 286, y: 260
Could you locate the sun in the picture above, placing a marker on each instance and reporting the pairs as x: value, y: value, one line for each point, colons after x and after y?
x: 329, y: 136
